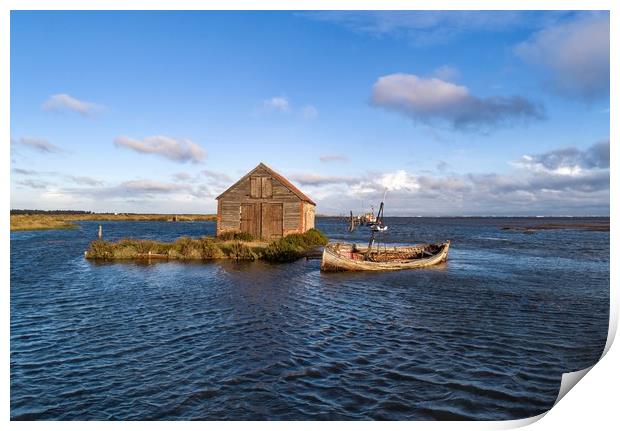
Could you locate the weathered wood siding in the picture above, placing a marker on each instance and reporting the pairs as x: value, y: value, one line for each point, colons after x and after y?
x: 271, y: 220
x: 309, y: 213
x: 263, y: 206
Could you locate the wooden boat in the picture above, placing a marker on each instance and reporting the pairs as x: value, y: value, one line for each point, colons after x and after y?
x: 351, y: 257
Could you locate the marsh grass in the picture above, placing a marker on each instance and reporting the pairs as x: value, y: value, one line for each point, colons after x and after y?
x: 239, y: 251
x: 210, y: 249
x: 286, y: 249
x: 39, y: 222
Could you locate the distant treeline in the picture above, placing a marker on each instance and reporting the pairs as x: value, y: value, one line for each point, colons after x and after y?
x: 28, y: 212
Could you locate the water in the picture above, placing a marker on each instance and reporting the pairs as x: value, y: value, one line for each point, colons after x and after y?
x: 485, y: 336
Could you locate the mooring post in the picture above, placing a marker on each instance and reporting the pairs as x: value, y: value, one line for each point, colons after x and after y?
x: 100, y: 231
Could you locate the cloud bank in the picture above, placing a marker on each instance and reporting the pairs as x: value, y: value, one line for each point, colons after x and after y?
x: 568, y: 161
x: 432, y: 100
x: 565, y: 181
x: 561, y: 181
x: 178, y: 150
x: 188, y: 190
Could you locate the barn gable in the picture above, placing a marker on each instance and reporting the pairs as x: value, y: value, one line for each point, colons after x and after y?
x: 263, y: 168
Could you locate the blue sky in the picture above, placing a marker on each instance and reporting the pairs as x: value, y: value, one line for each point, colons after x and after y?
x: 453, y: 113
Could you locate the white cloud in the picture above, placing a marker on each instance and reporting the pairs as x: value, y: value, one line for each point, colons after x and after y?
x: 150, y: 186
x: 333, y: 158
x: 39, y: 144
x: 318, y: 179
x: 379, y: 183
x: 432, y: 99
x: 178, y: 150
x: 205, y: 178
x: 399, y: 180
x: 424, y: 95
x: 183, y: 176
x: 277, y: 104
x: 309, y: 112
x: 282, y: 104
x: 76, y: 179
x: 216, y: 177
x: 432, y: 27
x: 575, y: 55
x: 367, y: 183
x: 21, y: 171
x: 33, y: 184
x: 65, y: 102
x: 83, y: 180
x: 442, y: 166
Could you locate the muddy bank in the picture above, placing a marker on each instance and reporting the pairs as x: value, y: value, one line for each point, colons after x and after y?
x: 595, y: 226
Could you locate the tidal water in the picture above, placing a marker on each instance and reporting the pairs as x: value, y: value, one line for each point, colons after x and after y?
x: 485, y: 336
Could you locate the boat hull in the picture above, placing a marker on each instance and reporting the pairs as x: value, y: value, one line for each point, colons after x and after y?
x: 335, y: 258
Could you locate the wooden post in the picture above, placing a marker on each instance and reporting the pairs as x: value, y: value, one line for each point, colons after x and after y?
x: 100, y: 232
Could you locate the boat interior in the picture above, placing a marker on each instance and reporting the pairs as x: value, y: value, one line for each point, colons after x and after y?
x: 388, y: 254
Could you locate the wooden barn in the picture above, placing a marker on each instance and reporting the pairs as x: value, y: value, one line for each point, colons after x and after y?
x: 264, y: 204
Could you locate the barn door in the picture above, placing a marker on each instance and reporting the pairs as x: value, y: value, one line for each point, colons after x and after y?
x: 248, y: 222
x: 271, y: 226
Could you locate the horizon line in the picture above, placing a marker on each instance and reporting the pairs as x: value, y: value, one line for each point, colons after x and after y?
x: 329, y: 215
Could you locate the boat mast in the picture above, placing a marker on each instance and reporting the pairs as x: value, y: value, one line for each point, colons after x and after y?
x: 370, y: 243
x: 378, y: 222
x: 379, y: 219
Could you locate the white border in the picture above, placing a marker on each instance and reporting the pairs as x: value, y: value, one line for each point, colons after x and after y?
x: 589, y: 406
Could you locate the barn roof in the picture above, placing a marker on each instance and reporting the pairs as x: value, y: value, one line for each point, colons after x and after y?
x: 286, y: 183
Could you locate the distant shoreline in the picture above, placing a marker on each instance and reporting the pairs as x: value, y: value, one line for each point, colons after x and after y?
x: 27, y: 220
x: 47, y: 221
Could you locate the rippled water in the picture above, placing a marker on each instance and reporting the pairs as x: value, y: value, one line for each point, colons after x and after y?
x: 485, y: 336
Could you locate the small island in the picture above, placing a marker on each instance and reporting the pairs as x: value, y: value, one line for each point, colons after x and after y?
x: 231, y: 245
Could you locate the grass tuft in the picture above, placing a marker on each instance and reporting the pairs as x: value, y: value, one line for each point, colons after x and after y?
x: 236, y: 236
x: 294, y: 246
